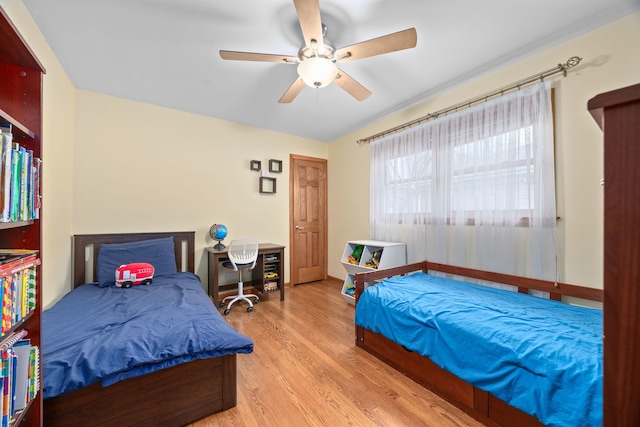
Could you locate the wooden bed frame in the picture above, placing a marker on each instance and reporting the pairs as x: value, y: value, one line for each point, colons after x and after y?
x: 480, y: 404
x: 170, y: 397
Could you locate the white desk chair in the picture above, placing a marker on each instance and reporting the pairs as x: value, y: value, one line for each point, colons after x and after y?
x: 242, y: 253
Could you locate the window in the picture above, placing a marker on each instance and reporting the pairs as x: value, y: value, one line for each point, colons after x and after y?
x: 490, y: 166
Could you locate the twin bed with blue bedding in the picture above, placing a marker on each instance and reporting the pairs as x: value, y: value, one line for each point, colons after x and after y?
x: 507, y: 358
x: 158, y: 354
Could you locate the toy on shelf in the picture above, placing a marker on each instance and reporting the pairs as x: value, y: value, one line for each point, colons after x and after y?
x: 350, y: 289
x: 355, y: 256
x: 374, y: 262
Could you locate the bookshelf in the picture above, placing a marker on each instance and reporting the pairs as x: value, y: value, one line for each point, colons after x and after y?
x: 361, y: 256
x: 21, y: 77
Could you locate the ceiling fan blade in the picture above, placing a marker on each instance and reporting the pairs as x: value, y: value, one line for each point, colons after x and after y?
x: 292, y: 92
x: 390, y: 43
x: 263, y: 57
x: 310, y: 21
x: 352, y: 87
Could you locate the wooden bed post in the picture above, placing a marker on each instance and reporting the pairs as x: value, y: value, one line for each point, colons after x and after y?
x: 620, y: 109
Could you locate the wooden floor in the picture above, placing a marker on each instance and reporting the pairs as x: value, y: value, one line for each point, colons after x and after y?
x: 305, y: 370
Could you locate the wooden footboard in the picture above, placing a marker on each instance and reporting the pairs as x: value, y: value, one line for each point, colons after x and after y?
x: 480, y: 404
x: 171, y: 397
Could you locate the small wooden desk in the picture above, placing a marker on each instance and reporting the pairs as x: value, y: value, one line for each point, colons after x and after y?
x: 270, y: 258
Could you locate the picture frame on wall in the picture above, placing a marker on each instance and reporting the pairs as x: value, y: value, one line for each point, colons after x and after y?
x: 267, y: 185
x: 275, y: 166
x: 255, y: 165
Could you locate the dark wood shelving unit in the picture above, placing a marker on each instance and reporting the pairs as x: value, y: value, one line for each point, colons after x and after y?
x: 21, y: 76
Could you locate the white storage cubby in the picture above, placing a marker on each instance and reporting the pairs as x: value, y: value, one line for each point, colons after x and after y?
x: 375, y: 255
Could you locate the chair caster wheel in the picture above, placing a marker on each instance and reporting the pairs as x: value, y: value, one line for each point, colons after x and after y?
x: 249, y: 309
x: 227, y: 311
x: 256, y: 301
x: 221, y: 305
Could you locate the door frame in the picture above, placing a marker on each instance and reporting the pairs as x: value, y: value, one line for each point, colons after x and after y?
x: 293, y: 272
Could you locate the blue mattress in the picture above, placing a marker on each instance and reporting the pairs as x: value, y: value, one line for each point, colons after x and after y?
x: 109, y: 334
x: 540, y: 356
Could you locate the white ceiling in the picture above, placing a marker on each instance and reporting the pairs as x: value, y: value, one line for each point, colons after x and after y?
x: 165, y: 52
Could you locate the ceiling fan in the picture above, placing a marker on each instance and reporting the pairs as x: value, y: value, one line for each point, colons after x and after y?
x: 317, y: 59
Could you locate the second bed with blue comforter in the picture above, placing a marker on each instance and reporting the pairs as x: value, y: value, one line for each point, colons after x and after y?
x: 109, y: 334
x: 540, y: 356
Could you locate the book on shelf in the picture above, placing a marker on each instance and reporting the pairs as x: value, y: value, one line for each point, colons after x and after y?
x: 19, y: 374
x: 6, y: 389
x: 13, y: 260
x: 15, y: 182
x: 25, y: 170
x: 18, y: 269
x: 37, y: 199
x: 20, y: 173
x: 5, y: 173
x: 34, y: 372
x: 22, y: 350
x: 11, y: 255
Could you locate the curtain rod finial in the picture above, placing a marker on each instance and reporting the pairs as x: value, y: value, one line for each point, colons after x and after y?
x: 571, y: 62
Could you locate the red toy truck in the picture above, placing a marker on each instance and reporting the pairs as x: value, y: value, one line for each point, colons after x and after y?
x: 137, y: 273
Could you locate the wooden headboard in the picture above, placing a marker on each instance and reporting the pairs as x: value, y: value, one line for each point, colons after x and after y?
x: 87, y: 246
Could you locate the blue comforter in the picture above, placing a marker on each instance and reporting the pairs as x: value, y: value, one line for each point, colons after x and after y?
x: 109, y: 334
x: 538, y: 355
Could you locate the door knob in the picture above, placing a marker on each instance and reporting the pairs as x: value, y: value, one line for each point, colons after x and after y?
x: 299, y: 228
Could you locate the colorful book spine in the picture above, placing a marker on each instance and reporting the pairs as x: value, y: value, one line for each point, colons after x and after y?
x: 20, y: 173
x: 15, y: 181
x: 19, y: 375
x: 13, y: 299
x: 5, y: 175
x: 6, y: 305
x: 34, y: 372
x: 31, y: 289
x: 22, y: 199
x: 6, y: 390
x: 37, y: 198
x: 18, y: 286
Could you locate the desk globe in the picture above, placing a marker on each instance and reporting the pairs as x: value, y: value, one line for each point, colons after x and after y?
x: 218, y: 232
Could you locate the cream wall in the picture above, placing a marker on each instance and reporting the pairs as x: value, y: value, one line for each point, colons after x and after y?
x: 140, y: 167
x: 57, y: 154
x: 112, y: 165
x: 610, y: 61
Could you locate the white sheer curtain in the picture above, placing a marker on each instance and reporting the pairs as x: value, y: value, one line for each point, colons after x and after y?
x: 475, y: 188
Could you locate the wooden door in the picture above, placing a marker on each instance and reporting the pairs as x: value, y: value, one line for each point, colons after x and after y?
x: 308, y: 216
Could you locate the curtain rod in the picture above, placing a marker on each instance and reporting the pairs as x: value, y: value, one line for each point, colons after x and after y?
x: 560, y: 68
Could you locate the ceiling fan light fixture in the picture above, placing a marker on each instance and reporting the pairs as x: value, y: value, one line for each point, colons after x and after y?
x: 317, y: 71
